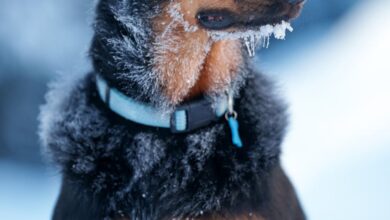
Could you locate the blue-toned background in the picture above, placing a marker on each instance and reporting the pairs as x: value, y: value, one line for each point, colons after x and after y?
x: 333, y: 69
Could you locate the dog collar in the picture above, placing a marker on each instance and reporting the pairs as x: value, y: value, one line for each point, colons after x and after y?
x: 185, y: 118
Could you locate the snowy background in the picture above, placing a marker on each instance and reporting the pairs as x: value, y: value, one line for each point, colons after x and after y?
x: 333, y: 69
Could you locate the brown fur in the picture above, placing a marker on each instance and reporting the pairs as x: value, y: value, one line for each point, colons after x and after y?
x: 219, y: 68
x: 189, y: 70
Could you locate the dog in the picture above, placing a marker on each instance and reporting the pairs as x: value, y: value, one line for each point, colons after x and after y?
x: 173, y: 122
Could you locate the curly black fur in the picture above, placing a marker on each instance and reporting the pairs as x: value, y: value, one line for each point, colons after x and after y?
x: 116, y: 167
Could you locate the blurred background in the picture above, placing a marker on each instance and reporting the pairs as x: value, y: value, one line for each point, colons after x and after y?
x: 333, y: 69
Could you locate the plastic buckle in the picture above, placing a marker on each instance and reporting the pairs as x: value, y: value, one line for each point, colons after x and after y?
x: 197, y: 114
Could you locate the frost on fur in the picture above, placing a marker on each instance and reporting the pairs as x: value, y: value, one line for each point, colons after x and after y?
x: 59, y: 90
x: 171, y: 55
x: 177, y: 17
x: 252, y: 38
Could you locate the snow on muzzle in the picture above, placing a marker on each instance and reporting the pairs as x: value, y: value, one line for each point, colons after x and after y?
x: 252, y: 38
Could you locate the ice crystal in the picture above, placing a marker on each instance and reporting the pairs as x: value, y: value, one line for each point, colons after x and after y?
x: 253, y: 37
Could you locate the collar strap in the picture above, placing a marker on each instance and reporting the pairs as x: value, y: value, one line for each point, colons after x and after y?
x: 185, y: 118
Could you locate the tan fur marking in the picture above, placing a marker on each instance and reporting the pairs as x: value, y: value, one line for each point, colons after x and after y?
x: 192, y: 64
x: 219, y: 69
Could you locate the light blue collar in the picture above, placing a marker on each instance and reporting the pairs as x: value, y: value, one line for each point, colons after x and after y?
x: 185, y: 118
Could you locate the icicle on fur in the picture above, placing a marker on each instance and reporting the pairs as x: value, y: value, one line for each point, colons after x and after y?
x: 252, y: 37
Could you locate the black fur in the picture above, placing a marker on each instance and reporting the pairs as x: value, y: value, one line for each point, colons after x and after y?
x: 111, y: 166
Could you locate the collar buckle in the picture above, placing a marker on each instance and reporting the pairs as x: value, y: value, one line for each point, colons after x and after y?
x: 193, y: 115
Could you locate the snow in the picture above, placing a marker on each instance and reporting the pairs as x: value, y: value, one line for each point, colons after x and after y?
x: 36, y: 35
x: 253, y: 37
x: 265, y: 31
x: 27, y: 192
x: 337, y: 149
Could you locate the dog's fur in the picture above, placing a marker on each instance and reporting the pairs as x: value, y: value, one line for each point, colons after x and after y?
x: 116, y: 169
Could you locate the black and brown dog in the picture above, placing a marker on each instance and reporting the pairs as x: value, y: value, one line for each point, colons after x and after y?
x: 143, y: 136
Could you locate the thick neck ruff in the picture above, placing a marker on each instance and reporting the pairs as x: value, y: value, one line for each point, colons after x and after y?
x: 149, y: 173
